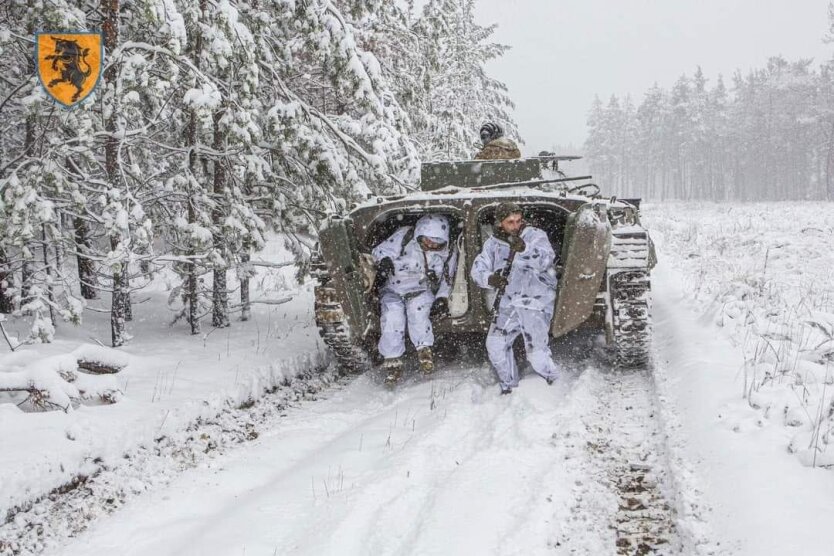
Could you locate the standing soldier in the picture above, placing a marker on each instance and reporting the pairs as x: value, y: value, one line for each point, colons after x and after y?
x: 415, y: 269
x: 495, y: 145
x: 518, y: 262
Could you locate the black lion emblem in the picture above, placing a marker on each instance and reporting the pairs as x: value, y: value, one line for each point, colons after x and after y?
x: 67, y: 58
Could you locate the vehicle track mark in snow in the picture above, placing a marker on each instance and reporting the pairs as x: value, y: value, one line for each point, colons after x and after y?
x: 645, y: 521
x: 439, y: 466
x: 393, y: 506
x: 67, y: 512
x: 615, y: 454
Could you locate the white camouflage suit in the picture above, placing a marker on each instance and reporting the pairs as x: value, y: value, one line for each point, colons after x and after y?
x: 526, y: 307
x: 406, y: 295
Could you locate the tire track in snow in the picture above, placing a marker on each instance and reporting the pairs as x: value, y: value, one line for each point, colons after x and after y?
x: 438, y: 467
x: 645, y: 521
x: 471, y: 500
x: 622, y: 498
x: 392, y: 506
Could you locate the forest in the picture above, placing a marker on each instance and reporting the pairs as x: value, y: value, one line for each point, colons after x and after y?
x: 214, y: 123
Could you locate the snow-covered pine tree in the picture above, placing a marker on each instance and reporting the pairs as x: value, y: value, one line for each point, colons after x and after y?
x: 196, y: 236
x: 332, y: 128
x: 653, y: 121
x: 31, y: 183
x: 236, y: 131
x: 454, y: 95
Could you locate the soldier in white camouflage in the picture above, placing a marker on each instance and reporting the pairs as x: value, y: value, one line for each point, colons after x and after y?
x: 526, y: 291
x: 416, y: 267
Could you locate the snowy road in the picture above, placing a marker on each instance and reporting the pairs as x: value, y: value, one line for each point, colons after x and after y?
x: 436, y: 467
x: 671, y: 461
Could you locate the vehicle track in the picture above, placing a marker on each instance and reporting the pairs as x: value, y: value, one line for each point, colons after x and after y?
x: 623, y: 499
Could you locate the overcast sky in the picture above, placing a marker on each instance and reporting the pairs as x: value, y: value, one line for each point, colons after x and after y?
x: 566, y: 51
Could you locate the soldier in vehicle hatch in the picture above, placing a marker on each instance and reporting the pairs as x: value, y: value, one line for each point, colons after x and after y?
x: 518, y: 262
x: 495, y: 145
x: 415, y: 271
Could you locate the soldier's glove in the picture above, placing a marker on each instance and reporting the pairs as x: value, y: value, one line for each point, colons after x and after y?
x: 385, y: 268
x: 440, y: 308
x: 517, y: 244
x: 496, y: 280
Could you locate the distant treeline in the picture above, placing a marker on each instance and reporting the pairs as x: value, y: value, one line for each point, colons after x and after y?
x: 769, y: 136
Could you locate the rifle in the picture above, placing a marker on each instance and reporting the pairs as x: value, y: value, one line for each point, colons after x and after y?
x: 505, y: 273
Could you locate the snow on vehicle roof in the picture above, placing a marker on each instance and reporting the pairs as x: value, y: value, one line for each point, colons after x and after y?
x: 457, y: 193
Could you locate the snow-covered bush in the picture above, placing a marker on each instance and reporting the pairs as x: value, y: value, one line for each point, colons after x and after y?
x: 64, y: 381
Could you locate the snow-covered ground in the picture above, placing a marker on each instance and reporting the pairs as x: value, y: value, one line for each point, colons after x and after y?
x: 170, y: 380
x: 721, y: 448
x: 743, y: 317
x: 436, y: 467
x: 765, y: 273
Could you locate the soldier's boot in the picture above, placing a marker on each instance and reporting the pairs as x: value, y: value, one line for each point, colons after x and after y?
x: 425, y: 359
x: 393, y: 369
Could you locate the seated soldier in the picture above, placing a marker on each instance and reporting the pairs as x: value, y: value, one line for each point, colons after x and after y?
x: 495, y: 145
x: 415, y: 268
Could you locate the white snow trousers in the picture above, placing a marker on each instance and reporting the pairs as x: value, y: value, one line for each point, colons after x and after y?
x: 534, y: 325
x: 395, y: 311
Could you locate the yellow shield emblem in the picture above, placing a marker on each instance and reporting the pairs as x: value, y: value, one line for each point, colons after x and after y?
x: 69, y: 64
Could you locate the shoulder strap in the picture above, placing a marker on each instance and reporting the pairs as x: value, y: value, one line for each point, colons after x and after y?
x: 409, y: 235
x: 452, y: 249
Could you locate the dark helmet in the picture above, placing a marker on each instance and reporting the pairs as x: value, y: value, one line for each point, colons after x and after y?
x: 490, y: 131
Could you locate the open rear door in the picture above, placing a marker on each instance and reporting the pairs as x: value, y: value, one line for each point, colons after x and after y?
x: 340, y: 251
x: 585, y: 250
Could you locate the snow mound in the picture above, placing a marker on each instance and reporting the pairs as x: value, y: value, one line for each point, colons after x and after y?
x: 55, y: 383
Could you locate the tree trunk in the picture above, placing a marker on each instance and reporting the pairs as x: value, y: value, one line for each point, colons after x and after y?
x: 59, y: 246
x: 27, y: 275
x: 117, y: 306
x: 6, y: 305
x: 50, y: 295
x: 128, y: 306
x: 86, y: 270
x: 192, y: 294
x: 220, y: 295
x: 27, y: 271
x: 246, y: 306
x: 191, y: 283
x: 110, y: 25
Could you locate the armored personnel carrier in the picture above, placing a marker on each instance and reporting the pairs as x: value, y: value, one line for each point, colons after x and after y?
x: 606, y: 255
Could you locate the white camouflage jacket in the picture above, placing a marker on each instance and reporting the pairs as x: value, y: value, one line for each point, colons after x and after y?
x: 532, y: 280
x: 410, y: 276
